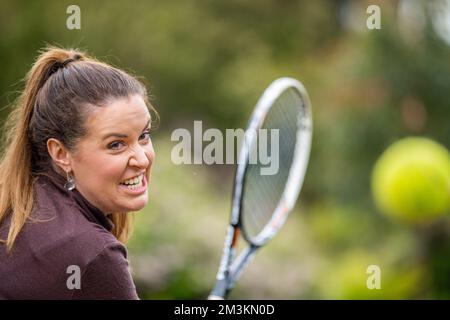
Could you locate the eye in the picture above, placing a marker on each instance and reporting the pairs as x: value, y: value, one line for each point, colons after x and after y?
x: 145, y: 135
x: 115, y: 145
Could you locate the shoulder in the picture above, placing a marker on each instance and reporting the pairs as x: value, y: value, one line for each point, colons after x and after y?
x: 107, y: 276
x: 81, y: 248
x: 59, y: 226
x: 57, y: 240
x: 57, y: 253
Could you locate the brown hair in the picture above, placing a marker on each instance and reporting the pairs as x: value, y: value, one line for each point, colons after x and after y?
x: 60, y: 88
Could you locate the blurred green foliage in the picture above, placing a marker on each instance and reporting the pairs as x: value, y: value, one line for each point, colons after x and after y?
x: 210, y: 60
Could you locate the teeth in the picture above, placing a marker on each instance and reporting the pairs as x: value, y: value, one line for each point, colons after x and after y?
x: 135, y: 186
x: 134, y: 181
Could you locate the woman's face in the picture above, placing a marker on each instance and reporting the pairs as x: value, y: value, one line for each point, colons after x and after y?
x: 117, y: 148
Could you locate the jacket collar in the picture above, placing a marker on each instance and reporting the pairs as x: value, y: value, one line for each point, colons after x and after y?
x: 91, y: 212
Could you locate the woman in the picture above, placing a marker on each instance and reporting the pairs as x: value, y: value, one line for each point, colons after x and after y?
x: 77, y: 160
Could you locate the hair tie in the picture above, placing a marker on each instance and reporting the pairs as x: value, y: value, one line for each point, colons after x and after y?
x: 65, y: 62
x: 55, y: 67
x: 60, y: 65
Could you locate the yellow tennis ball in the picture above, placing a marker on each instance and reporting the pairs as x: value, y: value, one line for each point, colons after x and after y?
x: 411, y: 180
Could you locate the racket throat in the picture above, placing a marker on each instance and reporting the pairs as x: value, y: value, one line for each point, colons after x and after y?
x: 220, y: 291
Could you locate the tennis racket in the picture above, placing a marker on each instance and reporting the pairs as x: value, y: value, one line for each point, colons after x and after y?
x: 262, y: 202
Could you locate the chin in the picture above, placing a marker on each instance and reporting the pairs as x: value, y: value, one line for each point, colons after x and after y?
x: 135, y: 205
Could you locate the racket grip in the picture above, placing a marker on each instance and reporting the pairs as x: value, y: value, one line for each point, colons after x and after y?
x: 220, y: 290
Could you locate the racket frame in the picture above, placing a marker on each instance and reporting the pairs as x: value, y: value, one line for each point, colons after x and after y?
x: 230, y: 269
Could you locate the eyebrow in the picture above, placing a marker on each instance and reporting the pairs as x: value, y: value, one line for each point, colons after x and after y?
x: 120, y: 135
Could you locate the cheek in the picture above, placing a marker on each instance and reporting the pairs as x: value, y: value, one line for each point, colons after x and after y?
x: 114, y: 168
x: 103, y: 170
x: 150, y: 152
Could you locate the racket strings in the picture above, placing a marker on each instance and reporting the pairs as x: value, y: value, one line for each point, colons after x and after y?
x: 266, y: 207
x: 262, y: 193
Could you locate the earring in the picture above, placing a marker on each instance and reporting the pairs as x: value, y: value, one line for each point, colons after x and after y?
x: 70, y: 184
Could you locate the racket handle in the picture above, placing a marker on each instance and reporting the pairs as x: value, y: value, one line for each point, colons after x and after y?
x: 212, y: 297
x: 220, y: 290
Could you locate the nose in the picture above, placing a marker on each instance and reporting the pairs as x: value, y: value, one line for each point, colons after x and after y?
x: 140, y: 158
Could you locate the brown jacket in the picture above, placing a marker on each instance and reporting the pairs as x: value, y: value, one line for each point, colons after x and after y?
x: 72, y: 238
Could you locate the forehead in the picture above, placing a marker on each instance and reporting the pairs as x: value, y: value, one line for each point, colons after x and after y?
x: 119, y: 114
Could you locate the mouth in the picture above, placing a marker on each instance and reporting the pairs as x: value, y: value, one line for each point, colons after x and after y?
x: 137, y: 183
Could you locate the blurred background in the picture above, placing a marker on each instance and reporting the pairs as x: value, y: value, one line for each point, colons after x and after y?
x: 210, y: 60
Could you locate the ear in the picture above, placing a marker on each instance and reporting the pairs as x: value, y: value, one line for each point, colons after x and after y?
x: 60, y: 155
